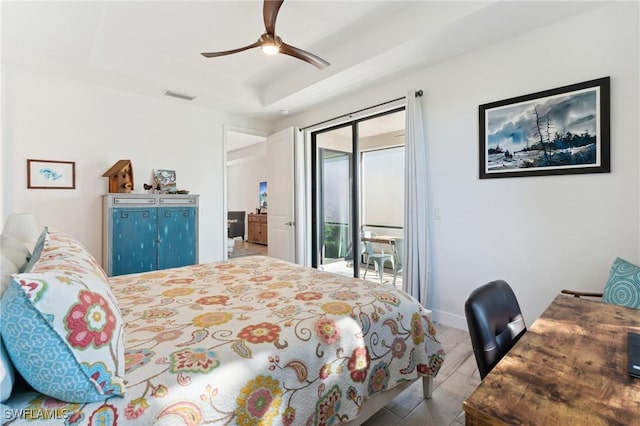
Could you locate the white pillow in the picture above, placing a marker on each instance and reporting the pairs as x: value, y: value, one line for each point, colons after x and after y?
x: 7, y: 267
x: 15, y: 250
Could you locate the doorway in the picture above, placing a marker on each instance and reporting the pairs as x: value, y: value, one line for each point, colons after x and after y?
x: 245, y: 169
x: 357, y: 187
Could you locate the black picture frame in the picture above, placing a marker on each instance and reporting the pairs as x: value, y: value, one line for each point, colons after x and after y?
x: 554, y: 132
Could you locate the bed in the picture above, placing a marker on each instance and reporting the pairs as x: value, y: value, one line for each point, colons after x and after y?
x: 255, y: 340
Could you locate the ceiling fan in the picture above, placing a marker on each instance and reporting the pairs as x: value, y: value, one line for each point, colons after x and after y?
x: 270, y: 43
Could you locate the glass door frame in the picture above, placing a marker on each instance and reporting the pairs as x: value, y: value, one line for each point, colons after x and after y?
x: 355, y: 195
x: 355, y: 181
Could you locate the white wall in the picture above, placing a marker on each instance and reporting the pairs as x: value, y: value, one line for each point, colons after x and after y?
x: 246, y: 169
x: 541, y: 234
x: 51, y: 118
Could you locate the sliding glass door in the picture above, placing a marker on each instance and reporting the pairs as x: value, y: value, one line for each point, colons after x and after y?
x: 357, y: 188
x: 333, y: 201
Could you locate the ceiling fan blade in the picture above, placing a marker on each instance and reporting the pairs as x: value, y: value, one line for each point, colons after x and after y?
x: 314, y: 60
x: 229, y: 52
x: 270, y: 14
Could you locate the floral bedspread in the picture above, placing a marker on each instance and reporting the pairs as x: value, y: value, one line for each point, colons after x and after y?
x: 254, y: 341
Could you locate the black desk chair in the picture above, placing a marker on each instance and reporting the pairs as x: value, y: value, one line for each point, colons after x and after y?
x: 495, y: 323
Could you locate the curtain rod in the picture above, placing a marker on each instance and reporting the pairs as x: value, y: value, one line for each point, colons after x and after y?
x: 418, y: 94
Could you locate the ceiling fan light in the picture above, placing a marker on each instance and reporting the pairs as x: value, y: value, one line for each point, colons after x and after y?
x: 270, y: 49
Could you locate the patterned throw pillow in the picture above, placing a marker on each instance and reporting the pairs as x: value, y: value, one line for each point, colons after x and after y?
x: 623, y: 286
x: 62, y: 326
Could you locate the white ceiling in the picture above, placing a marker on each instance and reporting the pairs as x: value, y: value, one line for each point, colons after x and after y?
x: 151, y: 47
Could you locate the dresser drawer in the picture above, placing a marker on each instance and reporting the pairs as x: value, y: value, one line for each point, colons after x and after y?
x: 261, y: 218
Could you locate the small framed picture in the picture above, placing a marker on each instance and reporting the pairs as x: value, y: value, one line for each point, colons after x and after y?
x: 263, y: 197
x: 49, y: 174
x: 555, y: 132
x: 164, y: 181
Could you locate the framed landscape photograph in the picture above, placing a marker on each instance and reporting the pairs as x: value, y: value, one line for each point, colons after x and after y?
x: 49, y: 174
x: 554, y: 132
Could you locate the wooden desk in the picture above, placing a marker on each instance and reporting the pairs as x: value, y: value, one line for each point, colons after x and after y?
x: 570, y: 368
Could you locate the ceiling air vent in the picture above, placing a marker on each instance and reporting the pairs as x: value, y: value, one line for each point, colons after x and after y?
x: 179, y: 95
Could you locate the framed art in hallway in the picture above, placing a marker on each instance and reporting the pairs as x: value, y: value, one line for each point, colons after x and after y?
x: 554, y: 132
x: 50, y: 174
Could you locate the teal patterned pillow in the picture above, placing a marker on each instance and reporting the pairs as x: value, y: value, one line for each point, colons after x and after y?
x: 62, y: 327
x: 623, y: 286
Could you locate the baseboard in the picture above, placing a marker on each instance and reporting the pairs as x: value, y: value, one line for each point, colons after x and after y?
x: 449, y: 319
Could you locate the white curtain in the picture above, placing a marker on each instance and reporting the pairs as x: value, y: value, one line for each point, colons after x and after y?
x: 416, y: 239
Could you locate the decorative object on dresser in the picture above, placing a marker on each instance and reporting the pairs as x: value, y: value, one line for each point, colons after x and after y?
x: 164, y: 181
x: 146, y: 232
x: 257, y: 228
x: 49, y: 174
x: 120, y: 176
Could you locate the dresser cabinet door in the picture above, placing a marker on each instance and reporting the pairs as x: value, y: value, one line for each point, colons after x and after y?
x: 252, y: 234
x: 134, y: 240
x: 262, y: 233
x: 257, y: 228
x: 176, y: 237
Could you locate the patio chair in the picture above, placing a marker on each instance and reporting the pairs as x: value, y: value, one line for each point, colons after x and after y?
x: 378, y: 258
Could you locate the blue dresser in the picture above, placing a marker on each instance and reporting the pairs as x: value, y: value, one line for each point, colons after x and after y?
x: 146, y: 232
